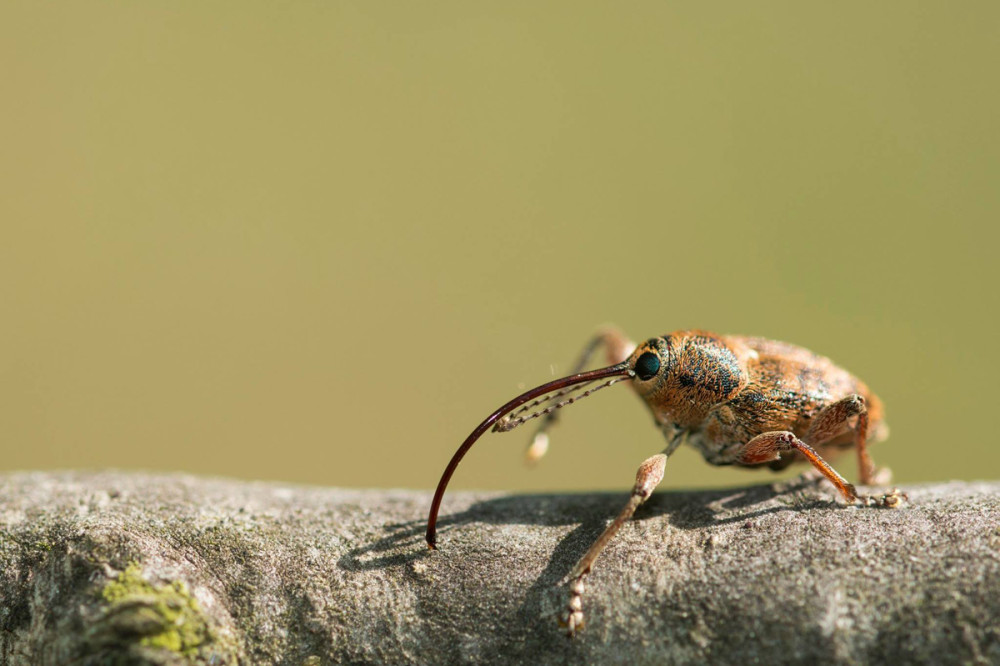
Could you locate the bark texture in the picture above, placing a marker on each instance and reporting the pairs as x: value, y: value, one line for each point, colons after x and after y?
x: 163, y: 569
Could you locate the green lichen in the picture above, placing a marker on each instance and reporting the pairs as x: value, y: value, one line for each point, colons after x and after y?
x: 161, y: 616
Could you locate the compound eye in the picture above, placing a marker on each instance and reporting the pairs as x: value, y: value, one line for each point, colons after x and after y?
x: 647, y: 366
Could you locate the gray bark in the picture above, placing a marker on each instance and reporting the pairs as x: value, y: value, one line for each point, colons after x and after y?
x: 135, y: 568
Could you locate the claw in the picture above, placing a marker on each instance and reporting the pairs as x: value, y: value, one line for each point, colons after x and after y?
x: 572, y: 623
x: 893, y: 499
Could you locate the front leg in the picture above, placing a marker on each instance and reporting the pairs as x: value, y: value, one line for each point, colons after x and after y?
x: 646, y: 479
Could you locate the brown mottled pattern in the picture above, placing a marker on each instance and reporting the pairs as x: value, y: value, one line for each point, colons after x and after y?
x: 701, y: 370
x: 727, y: 389
x: 787, y: 386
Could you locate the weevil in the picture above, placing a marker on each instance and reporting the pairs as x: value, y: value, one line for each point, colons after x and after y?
x: 738, y: 400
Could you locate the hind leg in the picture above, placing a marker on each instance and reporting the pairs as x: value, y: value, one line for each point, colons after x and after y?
x: 834, y: 420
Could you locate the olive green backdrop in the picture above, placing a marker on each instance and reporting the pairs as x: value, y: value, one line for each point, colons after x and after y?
x: 319, y: 241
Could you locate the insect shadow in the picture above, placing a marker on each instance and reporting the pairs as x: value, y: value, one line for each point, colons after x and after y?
x: 404, y: 543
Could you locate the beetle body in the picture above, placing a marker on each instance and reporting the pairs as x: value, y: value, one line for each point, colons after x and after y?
x: 739, y: 400
x: 721, y: 391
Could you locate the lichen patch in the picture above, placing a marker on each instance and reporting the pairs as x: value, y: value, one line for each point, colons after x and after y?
x: 164, y: 616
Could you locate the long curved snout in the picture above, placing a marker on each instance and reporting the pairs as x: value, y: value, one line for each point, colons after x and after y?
x: 496, y: 418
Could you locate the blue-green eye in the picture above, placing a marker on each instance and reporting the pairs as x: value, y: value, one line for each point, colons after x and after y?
x: 647, y: 366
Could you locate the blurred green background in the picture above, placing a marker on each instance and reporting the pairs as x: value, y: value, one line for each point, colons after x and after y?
x: 320, y: 241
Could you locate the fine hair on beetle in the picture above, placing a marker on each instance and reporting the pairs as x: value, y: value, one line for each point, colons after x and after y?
x: 739, y: 400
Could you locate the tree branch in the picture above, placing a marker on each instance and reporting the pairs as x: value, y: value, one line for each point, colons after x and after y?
x: 134, y: 568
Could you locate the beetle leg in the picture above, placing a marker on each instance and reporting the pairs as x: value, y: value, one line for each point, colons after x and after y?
x: 832, y: 421
x: 769, y: 446
x: 646, y: 479
x: 617, y: 348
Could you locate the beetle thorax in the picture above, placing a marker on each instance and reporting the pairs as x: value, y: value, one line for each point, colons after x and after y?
x: 699, y: 371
